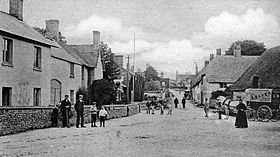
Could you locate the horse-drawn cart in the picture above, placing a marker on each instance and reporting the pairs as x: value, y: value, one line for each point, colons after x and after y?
x: 263, y: 104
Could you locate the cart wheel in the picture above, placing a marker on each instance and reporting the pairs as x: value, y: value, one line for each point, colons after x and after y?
x: 264, y: 113
x: 277, y: 115
x: 251, y: 114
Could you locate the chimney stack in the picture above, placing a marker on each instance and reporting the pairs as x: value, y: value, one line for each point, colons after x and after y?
x: 218, y: 52
x: 119, y: 60
x: 96, y: 37
x: 206, y: 63
x: 211, y: 57
x: 237, y: 50
x: 16, y: 9
x: 52, y: 29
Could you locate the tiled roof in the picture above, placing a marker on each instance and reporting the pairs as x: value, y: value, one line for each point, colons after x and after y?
x: 12, y: 25
x: 266, y: 67
x: 88, y: 53
x: 61, y: 53
x: 225, y: 69
x: 73, y: 52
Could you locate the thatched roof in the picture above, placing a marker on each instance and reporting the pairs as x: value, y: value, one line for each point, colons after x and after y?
x: 225, y: 69
x: 267, y: 67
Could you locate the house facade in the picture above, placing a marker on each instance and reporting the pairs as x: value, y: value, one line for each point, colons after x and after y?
x: 220, y: 73
x: 25, y: 61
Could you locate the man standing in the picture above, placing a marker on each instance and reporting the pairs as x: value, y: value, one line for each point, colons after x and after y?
x: 79, y: 107
x: 148, y: 105
x: 65, y: 109
x: 184, y: 102
x: 176, y: 102
x: 206, y: 107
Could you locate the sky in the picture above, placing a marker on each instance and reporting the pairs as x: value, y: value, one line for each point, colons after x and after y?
x: 170, y: 35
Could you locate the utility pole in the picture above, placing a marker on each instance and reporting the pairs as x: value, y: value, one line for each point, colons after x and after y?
x: 133, y: 77
x: 127, y: 80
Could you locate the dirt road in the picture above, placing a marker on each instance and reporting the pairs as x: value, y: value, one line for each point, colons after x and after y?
x: 185, y: 133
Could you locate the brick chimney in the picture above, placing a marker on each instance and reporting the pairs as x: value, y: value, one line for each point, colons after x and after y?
x: 211, y: 57
x: 96, y: 37
x: 206, y: 63
x: 218, y: 52
x: 16, y: 9
x: 52, y: 29
x: 237, y: 50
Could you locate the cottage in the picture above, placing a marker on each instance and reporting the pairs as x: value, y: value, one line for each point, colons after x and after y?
x: 221, y: 72
x: 25, y: 61
x: 264, y: 73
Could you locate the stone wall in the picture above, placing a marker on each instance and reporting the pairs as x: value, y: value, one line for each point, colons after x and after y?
x: 20, y: 119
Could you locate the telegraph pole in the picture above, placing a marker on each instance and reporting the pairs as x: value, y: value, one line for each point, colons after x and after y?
x: 133, y: 78
x: 127, y: 74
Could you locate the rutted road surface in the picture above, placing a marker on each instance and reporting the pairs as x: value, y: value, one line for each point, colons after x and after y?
x: 185, y: 133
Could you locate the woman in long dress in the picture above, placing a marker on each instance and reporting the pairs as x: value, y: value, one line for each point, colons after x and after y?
x: 241, y: 119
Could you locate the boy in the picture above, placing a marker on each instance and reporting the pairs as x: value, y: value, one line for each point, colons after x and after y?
x: 102, y: 116
x: 93, y: 112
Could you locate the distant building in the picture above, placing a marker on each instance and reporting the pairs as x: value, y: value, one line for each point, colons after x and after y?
x: 218, y: 74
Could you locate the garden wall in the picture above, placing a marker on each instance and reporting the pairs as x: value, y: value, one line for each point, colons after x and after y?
x: 19, y: 119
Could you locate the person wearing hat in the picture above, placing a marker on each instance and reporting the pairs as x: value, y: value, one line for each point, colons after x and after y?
x: 241, y: 119
x: 79, y: 107
x: 65, y: 109
x: 93, y: 112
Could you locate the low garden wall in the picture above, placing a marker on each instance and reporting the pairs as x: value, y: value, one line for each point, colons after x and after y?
x: 19, y: 119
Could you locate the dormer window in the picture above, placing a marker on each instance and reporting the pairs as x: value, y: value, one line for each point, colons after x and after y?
x: 256, y: 82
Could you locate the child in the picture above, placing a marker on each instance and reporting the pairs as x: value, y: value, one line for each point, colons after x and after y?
x: 102, y: 116
x: 227, y: 110
x: 93, y: 112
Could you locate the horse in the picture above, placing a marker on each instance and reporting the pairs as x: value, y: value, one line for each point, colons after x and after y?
x: 227, y: 102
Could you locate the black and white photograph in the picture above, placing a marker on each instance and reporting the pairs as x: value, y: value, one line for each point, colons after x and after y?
x: 140, y: 78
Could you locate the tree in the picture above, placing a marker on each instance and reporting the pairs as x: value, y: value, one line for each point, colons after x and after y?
x: 104, y: 92
x: 248, y: 48
x: 152, y: 86
x: 151, y: 74
x: 112, y: 69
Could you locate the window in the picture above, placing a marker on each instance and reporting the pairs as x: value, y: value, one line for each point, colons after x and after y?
x: 71, y: 70
x: 6, y: 96
x: 37, y: 58
x: 256, y: 82
x: 37, y: 97
x: 223, y: 85
x: 72, y: 96
x: 8, y: 52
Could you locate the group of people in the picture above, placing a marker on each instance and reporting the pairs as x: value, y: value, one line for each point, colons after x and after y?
x: 241, y: 118
x: 79, y: 108
x: 176, y: 102
x: 152, y: 104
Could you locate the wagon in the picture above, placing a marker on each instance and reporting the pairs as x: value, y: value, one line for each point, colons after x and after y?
x: 263, y: 104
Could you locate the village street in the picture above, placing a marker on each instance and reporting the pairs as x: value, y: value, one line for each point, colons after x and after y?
x: 185, y: 133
